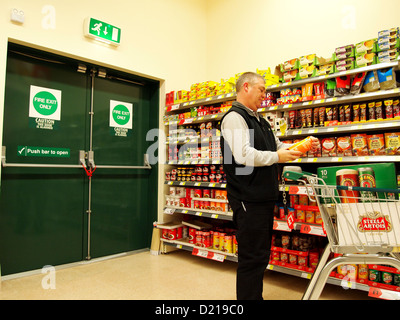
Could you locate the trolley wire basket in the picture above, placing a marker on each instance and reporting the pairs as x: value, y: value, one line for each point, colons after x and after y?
x: 362, y: 224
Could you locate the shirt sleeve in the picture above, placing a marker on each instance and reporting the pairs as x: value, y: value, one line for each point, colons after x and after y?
x: 236, y: 133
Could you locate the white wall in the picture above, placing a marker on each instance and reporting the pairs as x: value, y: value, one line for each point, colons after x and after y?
x: 246, y: 35
x: 154, y: 33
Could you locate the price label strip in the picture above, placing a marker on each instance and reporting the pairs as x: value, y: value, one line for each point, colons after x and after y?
x: 208, y: 255
x: 383, y: 294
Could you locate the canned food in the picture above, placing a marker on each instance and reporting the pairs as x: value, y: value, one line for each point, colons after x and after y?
x: 198, y: 193
x: 206, y: 193
x: 199, y: 238
x: 206, y: 239
x: 165, y: 234
x: 192, y: 235
x: 374, y: 275
x: 216, y: 240
x: 172, y: 234
x: 182, y: 202
x: 196, y: 204
x: 222, y: 241
x: 206, y: 205
x: 218, y: 194
x: 213, y: 205
x: 367, y: 180
x: 223, y: 194
x: 363, y: 271
x: 387, y: 277
x: 228, y: 244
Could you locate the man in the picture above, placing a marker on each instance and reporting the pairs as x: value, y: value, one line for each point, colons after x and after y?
x: 251, y: 155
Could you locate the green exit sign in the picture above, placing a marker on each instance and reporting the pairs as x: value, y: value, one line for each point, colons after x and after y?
x: 102, y: 31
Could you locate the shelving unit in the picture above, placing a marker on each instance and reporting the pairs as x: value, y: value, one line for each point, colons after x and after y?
x: 280, y: 225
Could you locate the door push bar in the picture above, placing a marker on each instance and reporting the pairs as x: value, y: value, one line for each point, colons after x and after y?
x: 82, y: 162
x: 93, y: 165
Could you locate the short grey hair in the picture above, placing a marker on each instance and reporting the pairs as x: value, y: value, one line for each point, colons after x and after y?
x: 250, y: 77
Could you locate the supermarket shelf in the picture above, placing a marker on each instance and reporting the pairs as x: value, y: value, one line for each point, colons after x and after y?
x: 196, y: 184
x: 277, y: 87
x: 301, y: 272
x: 200, y: 102
x: 209, y: 117
x: 354, y: 127
x: 199, y: 213
x: 211, y: 253
x: 347, y: 159
x: 192, y: 140
x: 335, y: 100
x: 195, y: 161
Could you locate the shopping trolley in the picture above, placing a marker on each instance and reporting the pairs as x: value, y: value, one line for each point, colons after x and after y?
x: 362, y: 224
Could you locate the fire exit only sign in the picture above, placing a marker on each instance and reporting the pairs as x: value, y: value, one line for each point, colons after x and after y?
x: 102, y: 31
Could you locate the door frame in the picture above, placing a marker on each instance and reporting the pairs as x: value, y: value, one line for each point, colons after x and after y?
x: 158, y: 100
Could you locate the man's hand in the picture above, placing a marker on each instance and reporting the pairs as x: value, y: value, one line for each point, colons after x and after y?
x: 286, y: 155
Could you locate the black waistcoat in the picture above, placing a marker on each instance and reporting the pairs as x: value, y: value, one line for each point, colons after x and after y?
x: 257, y: 183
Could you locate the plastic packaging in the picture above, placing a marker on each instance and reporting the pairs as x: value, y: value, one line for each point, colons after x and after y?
x: 342, y: 86
x: 357, y: 83
x: 371, y: 82
x: 387, y: 79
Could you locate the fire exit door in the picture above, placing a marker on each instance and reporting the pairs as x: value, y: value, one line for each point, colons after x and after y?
x: 75, y: 181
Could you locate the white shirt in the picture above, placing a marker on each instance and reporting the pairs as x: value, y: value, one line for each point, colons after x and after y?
x: 236, y: 133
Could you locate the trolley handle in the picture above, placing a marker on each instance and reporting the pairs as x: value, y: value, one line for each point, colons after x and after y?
x: 384, y: 190
x: 296, y: 175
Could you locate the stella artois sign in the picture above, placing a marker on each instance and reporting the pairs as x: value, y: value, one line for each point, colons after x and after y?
x: 368, y: 223
x: 374, y: 222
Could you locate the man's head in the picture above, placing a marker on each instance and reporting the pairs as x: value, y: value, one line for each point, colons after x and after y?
x: 250, y: 89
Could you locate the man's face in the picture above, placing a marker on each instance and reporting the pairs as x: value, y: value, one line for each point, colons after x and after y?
x: 256, y: 94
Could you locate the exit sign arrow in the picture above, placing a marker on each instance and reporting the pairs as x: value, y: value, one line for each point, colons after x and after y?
x: 103, y: 31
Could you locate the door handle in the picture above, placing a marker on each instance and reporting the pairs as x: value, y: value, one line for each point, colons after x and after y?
x: 146, y: 165
x: 82, y: 162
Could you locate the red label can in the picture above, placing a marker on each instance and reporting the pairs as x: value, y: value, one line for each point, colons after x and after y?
x: 192, y: 235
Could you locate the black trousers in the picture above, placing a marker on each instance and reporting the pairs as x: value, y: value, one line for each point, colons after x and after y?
x: 254, y: 223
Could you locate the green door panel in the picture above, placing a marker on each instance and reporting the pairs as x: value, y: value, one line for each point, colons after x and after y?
x: 121, y: 217
x: 41, y: 210
x: 44, y: 218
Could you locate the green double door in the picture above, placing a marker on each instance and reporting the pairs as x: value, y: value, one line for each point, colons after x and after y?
x: 65, y: 121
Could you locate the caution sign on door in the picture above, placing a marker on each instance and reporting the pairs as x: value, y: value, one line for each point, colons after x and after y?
x: 121, y: 114
x: 44, y: 108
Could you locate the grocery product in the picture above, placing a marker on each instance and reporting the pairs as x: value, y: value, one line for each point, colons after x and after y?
x: 359, y: 144
x: 376, y: 144
x: 387, y: 79
x: 342, y: 85
x: 392, y: 142
x: 385, y: 173
x: 328, y: 147
x: 371, y: 82
x: 344, y: 147
x: 357, y: 83
x: 303, y: 146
